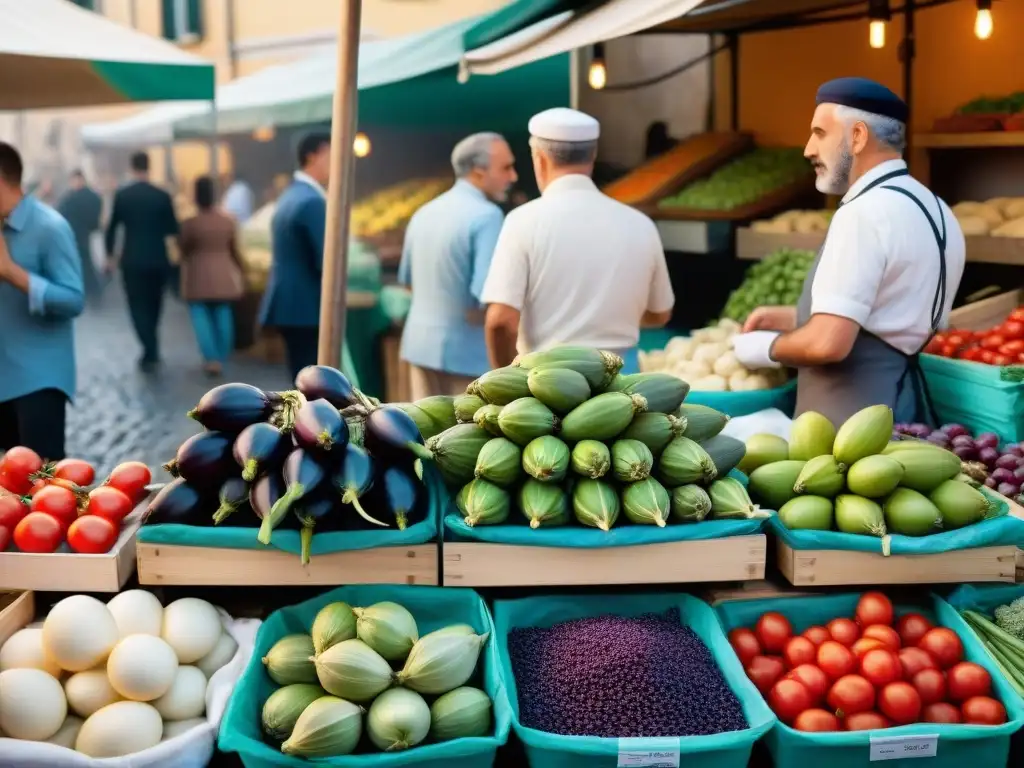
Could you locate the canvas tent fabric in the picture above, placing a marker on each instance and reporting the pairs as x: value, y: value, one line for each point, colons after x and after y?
x: 55, y: 54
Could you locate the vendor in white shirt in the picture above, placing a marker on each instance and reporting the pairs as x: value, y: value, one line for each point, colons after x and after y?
x: 573, y: 266
x: 883, y: 282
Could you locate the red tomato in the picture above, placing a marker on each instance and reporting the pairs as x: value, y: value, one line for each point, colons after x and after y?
x: 873, y: 608
x: 76, y: 471
x: 933, y: 346
x: 38, y: 533
x: 813, y: 679
x: 816, y: 721
x: 1012, y: 348
x: 836, y: 660
x: 958, y: 338
x: 1012, y: 329
x: 764, y: 672
x: 912, y: 627
x: 866, y: 721
x: 1001, y: 359
x: 993, y: 341
x: 844, y: 631
x: 866, y: 644
x: 799, y: 650
x: 931, y: 685
x: 744, y: 642
x: 11, y: 511
x: 900, y: 702
x: 949, y: 350
x: 773, y: 630
x: 881, y: 667
x: 888, y: 636
x: 788, y: 698
x: 60, y: 503
x: 851, y: 694
x: 914, y: 660
x: 16, y: 467
x: 940, y: 712
x: 983, y: 710
x: 943, y: 645
x: 1017, y: 314
x: 817, y: 635
x: 967, y: 680
x: 92, y: 535
x: 986, y: 356
x: 972, y: 353
x: 5, y: 537
x: 131, y: 478
x: 110, y: 503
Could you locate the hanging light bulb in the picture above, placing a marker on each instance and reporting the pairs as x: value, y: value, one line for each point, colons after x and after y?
x: 879, y: 16
x: 597, y: 75
x: 361, y: 145
x: 983, y: 20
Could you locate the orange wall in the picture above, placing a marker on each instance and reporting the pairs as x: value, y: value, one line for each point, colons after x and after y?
x: 780, y: 71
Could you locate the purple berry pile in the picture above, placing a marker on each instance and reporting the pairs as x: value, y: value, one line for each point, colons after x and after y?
x: 617, y: 677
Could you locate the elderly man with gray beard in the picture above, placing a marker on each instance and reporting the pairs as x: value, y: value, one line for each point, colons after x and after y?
x: 448, y: 248
x: 884, y: 281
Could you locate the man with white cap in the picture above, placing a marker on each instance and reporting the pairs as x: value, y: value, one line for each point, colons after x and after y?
x: 573, y: 266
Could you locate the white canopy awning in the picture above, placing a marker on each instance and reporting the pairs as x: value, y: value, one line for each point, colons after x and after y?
x: 145, y: 128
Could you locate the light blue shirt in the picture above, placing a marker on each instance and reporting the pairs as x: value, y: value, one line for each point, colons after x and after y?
x: 449, y: 244
x: 37, y: 346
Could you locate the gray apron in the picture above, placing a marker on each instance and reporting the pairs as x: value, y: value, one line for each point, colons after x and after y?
x: 874, y: 372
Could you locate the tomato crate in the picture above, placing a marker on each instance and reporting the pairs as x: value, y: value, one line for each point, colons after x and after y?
x: 16, y: 610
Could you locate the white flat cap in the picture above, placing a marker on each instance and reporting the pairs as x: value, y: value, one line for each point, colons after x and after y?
x: 562, y: 124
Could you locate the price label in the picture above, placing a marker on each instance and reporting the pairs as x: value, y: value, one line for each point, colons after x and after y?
x: 901, y: 747
x: 648, y: 753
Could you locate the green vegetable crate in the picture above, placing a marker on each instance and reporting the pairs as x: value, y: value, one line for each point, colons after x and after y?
x: 956, y: 745
x: 549, y: 750
x: 433, y: 608
x: 745, y: 403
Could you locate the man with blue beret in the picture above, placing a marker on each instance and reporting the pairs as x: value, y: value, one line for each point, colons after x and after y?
x: 884, y: 280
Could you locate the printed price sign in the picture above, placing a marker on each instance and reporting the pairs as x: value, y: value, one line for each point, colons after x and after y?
x: 648, y: 753
x: 901, y: 747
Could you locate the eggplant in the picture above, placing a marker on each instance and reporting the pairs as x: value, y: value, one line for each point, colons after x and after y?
x: 260, y: 448
x: 205, y: 460
x: 303, y: 475
x: 319, y: 427
x: 233, y: 407
x: 233, y: 494
x: 398, y: 492
x: 317, y: 382
x: 311, y: 512
x: 264, y: 494
x: 354, y: 478
x: 391, y: 434
x: 178, y: 503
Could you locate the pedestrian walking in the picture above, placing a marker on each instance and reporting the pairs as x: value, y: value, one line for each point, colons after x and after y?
x: 291, y: 304
x: 82, y: 207
x: 41, y: 292
x: 145, y: 214
x: 211, y: 277
x: 239, y: 200
x: 447, y: 253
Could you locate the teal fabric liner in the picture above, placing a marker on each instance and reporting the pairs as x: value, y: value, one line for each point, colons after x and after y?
x: 973, y: 394
x: 656, y: 338
x: 323, y: 543
x: 745, y: 403
x: 363, y: 330
x: 959, y: 745
x: 984, y: 598
x: 433, y: 608
x: 549, y: 750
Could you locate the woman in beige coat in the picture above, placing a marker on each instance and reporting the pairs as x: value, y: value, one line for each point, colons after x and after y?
x: 211, y: 277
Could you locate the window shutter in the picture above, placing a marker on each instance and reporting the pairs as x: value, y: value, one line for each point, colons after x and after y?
x: 87, y: 4
x: 170, y: 28
x: 195, y: 17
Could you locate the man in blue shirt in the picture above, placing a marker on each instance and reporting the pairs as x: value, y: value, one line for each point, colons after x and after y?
x: 41, y: 292
x: 448, y: 248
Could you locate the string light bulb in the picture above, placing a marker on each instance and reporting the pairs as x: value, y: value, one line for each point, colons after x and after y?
x: 597, y: 75
x: 878, y: 16
x: 361, y: 145
x: 983, y: 20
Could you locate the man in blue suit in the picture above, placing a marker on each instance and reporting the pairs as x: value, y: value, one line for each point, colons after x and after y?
x: 291, y: 303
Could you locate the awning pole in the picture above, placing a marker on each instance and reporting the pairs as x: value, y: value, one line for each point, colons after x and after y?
x: 339, y: 195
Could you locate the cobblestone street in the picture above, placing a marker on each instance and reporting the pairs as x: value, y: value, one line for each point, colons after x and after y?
x: 120, y: 413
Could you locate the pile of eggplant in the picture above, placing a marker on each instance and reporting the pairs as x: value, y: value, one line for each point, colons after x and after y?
x: 321, y: 457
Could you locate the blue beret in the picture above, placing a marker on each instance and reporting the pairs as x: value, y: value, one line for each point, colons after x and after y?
x: 861, y: 93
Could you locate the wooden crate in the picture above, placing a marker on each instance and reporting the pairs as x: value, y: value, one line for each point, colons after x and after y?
x: 16, y: 614
x: 167, y: 564
x: 980, y: 315
x: 476, y: 564
x: 752, y: 245
x: 777, y: 200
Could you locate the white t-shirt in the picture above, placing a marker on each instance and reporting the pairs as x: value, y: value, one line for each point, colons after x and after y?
x: 880, y: 266
x: 581, y: 267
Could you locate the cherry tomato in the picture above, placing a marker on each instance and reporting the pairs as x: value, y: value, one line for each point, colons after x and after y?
x: 788, y: 698
x: 60, y: 503
x: 881, y: 667
x: 745, y: 643
x: 943, y: 645
x: 836, y: 660
x: 817, y: 635
x: 993, y: 341
x: 17, y: 466
x: 888, y: 636
x: 764, y: 672
x: 816, y: 721
x: 92, y: 535
x: 844, y: 631
x: 1012, y: 348
x: 5, y: 537
x: 799, y: 650
x: 866, y: 721
x: 1012, y: 329
x: 931, y: 686
x: 851, y: 694
x: 11, y: 511
x: 900, y: 702
x: 933, y: 346
x: 813, y: 679
x: 912, y: 627
x: 914, y: 660
x: 983, y: 710
x: 958, y: 338
x: 873, y: 608
x: 866, y: 644
x: 773, y: 630
x: 967, y: 680
x: 1001, y: 359
x: 972, y: 353
x: 986, y: 356
x: 110, y: 503
x: 38, y: 533
x: 949, y: 350
x: 79, y: 472
x: 131, y: 478
x: 940, y: 712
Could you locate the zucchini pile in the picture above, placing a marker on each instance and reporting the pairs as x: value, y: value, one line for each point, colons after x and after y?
x: 561, y: 436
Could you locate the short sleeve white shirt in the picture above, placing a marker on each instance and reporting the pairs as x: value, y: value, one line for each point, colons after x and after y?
x: 880, y: 263
x: 581, y: 267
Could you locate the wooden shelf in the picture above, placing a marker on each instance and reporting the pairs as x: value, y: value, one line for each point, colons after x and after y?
x: 968, y: 140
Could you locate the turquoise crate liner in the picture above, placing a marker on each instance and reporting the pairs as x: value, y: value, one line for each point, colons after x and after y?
x: 434, y: 608
x: 973, y: 394
x: 549, y: 750
x: 984, y: 598
x: 323, y: 543
x: 958, y: 746
x: 745, y: 403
